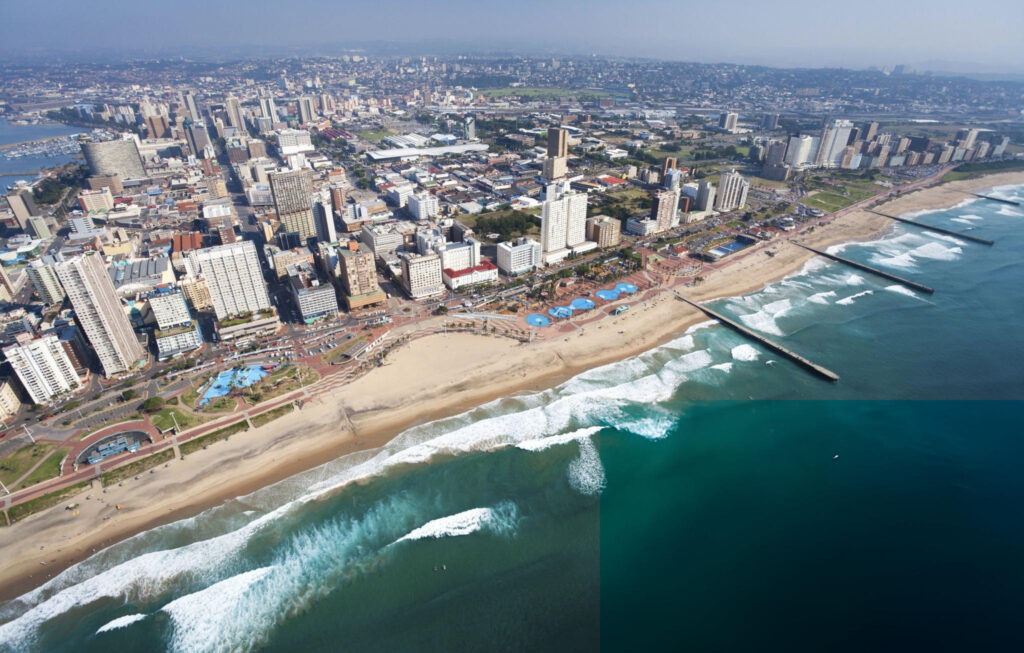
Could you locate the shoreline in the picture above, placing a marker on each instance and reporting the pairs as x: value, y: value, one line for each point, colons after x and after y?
x: 370, y: 411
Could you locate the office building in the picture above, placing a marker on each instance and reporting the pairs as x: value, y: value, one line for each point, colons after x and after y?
x: 519, y: 256
x: 732, y: 192
x: 38, y: 227
x: 558, y: 142
x: 665, y: 209
x: 233, y: 108
x: 294, y: 141
x: 42, y: 367
x: 98, y: 312
x: 421, y: 275
x: 23, y: 205
x: 192, y: 107
x: 604, y: 230
x: 293, y: 201
x: 118, y: 157
x: 44, y: 281
x: 157, y: 126
x: 233, y: 277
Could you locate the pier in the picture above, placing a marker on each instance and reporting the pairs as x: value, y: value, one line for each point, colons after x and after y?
x: 867, y: 268
x: 813, y: 368
x: 996, y: 199
x: 941, y: 230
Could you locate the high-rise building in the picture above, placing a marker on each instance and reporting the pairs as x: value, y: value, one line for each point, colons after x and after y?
x: 306, y: 111
x: 293, y: 200
x: 192, y: 107
x: 558, y: 142
x: 38, y: 227
x: 233, y: 108
x: 44, y: 281
x: 519, y: 256
x: 834, y: 139
x: 563, y: 223
x: 358, y: 277
x: 421, y: 274
x: 705, y: 196
x: 800, y: 151
x: 268, y: 109
x: 99, y: 313
x: 326, y: 232
x: 233, y: 276
x: 469, y: 128
x: 9, y: 402
x: 7, y: 289
x: 668, y: 164
x: 423, y: 205
x: 157, y: 126
x: 42, y: 366
x: 314, y: 300
x: 732, y: 192
x: 870, y: 131
x: 665, y: 209
x: 770, y: 122
x: 119, y: 157
x: 23, y: 206
x: 727, y: 121
x: 176, y: 331
x: 965, y: 138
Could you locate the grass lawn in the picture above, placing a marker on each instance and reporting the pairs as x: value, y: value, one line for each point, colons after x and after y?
x: 165, y: 419
x: 15, y: 465
x: 279, y: 382
x: 219, y: 405
x: 190, y: 396
x: 338, y: 353
x: 49, y: 469
x: 271, y: 415
x: 375, y: 135
x: 136, y: 467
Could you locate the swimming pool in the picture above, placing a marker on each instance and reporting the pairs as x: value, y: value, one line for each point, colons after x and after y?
x: 560, y: 312
x: 729, y: 248
x: 627, y: 288
x: 239, y: 377
x: 607, y: 295
x: 536, y: 319
x: 581, y: 304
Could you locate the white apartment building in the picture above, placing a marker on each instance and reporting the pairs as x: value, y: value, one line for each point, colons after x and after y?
x: 99, y: 313
x: 44, y: 281
x: 234, y: 277
x: 294, y: 141
x: 563, y: 224
x: 43, y: 367
x: 732, y: 192
x: 9, y: 402
x: 380, y: 239
x: 399, y: 194
x: 519, y: 256
x: 460, y: 256
x: 423, y: 205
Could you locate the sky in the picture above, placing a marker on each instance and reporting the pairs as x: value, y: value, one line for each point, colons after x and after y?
x: 975, y: 35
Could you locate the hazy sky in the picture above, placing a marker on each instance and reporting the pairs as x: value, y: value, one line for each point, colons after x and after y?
x: 986, y: 34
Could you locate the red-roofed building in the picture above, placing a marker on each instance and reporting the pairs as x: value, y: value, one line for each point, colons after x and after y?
x: 608, y: 181
x: 486, y: 272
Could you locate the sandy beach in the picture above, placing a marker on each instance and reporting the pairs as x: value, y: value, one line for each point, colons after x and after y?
x: 422, y: 380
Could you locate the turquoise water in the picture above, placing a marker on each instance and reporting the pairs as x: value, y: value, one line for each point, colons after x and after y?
x: 222, y: 384
x: 705, y: 495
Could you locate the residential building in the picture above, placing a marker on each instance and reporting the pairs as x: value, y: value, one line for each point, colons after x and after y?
x: 665, y: 209
x: 96, y: 201
x: 519, y: 256
x: 177, y: 332
x: 423, y: 206
x: 38, y: 227
x: 315, y: 300
x: 358, y: 276
x: 727, y: 122
x: 42, y: 367
x: 44, y: 281
x: 563, y: 223
x: 233, y: 276
x: 705, y: 196
x: 604, y: 230
x: 10, y: 404
x: 22, y: 205
x: 732, y: 192
x: 99, y: 313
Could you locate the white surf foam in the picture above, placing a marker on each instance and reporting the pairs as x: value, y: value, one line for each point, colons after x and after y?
x: 970, y: 217
x: 120, y: 622
x: 540, y: 444
x: 948, y: 239
x: 853, y: 280
x: 463, y: 523
x: 903, y: 260
x: 724, y: 367
x: 902, y: 290
x: 207, y: 620
x: 586, y: 473
x: 937, y: 252
x: 700, y: 325
x: 821, y: 297
x: 1006, y: 210
x: 963, y: 221
x: 846, y: 301
x: 764, y: 319
x: 744, y: 352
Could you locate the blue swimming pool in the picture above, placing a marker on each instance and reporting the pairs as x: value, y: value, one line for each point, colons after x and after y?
x: 627, y: 288
x: 607, y: 295
x: 239, y: 377
x: 729, y: 248
x: 560, y: 312
x: 581, y: 304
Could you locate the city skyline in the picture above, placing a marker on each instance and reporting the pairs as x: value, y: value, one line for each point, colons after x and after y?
x: 755, y: 34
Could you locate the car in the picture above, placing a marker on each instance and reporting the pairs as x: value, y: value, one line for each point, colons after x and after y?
x: 3, y: 435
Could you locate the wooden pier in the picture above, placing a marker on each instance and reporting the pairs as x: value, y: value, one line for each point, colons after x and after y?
x: 941, y: 230
x: 867, y: 268
x: 813, y: 368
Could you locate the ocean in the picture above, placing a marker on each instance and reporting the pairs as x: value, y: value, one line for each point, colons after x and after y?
x: 10, y: 134
x: 705, y: 495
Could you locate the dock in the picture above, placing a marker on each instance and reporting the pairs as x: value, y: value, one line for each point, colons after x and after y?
x: 995, y: 199
x: 941, y: 230
x: 867, y: 268
x: 811, y: 367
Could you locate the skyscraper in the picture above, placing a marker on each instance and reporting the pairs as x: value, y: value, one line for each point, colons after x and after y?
x: 705, y: 196
x: 23, y: 206
x: 732, y: 191
x: 834, y: 139
x: 563, y: 223
x: 234, y: 110
x: 306, y: 111
x: 233, y: 276
x: 192, y: 107
x: 293, y: 193
x: 558, y: 142
x: 727, y: 121
x: 267, y: 108
x: 44, y: 281
x: 99, y: 313
x: 665, y: 209
x: 870, y: 131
